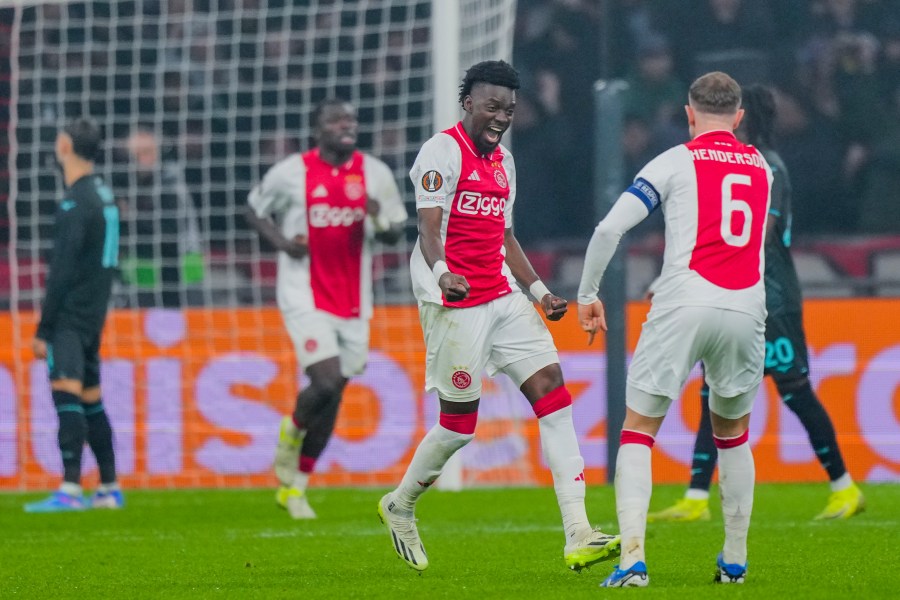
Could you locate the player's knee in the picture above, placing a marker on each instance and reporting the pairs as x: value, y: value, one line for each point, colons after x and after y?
x: 91, y: 395
x: 71, y: 386
x: 543, y: 382
x: 329, y: 386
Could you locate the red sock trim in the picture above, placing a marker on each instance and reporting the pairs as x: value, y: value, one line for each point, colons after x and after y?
x: 307, y: 464
x: 464, y: 424
x: 297, y: 424
x: 629, y: 436
x: 725, y: 443
x: 552, y: 402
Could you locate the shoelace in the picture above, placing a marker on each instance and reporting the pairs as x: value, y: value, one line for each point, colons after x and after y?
x: 406, y: 529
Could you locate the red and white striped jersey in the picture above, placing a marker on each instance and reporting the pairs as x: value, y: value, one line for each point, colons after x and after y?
x: 327, y: 203
x: 476, y: 193
x: 715, y: 193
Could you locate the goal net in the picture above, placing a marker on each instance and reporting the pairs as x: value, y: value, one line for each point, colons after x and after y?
x: 197, y: 99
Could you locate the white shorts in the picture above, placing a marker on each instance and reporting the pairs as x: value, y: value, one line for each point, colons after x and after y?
x: 319, y: 335
x: 731, y: 345
x: 505, y: 335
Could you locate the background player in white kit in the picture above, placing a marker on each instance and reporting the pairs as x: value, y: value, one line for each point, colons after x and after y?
x: 329, y: 203
x: 464, y: 268
x: 709, y: 305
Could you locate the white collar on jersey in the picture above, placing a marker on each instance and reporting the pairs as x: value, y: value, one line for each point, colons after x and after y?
x: 470, y: 144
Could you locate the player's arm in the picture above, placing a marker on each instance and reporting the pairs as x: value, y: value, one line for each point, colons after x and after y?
x: 779, y: 190
x: 629, y: 210
x: 269, y: 197
x: 67, y: 244
x: 385, y: 205
x: 269, y: 231
x: 453, y: 286
x: 553, y: 306
x: 386, y: 232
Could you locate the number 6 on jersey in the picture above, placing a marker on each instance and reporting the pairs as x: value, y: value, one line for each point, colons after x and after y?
x: 730, y: 205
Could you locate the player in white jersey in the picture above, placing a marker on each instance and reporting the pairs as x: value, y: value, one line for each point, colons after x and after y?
x: 465, y: 267
x: 328, y: 205
x: 709, y: 304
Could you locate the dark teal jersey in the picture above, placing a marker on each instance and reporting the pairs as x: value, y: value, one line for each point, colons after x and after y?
x: 783, y: 293
x: 84, y: 260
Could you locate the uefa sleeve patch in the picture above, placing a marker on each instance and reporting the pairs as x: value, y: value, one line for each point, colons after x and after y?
x: 432, y: 181
x: 646, y: 193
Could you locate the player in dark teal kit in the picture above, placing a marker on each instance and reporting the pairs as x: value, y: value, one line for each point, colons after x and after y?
x: 787, y: 359
x: 79, y: 283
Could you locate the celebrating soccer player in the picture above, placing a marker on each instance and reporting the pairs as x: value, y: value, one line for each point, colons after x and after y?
x: 709, y: 304
x: 464, y: 268
x: 330, y: 202
x: 85, y: 255
x: 787, y: 358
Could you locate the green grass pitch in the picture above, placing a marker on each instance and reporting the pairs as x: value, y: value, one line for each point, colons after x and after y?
x: 487, y: 543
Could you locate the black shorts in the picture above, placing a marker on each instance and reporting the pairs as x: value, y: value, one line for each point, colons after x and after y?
x: 786, y: 355
x: 74, y: 355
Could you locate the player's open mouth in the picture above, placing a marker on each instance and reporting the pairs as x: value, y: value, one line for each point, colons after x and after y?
x: 493, y: 134
x: 348, y: 139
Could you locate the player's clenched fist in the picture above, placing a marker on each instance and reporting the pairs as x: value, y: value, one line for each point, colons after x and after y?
x: 592, y: 317
x: 296, y: 247
x: 554, y: 307
x: 454, y: 287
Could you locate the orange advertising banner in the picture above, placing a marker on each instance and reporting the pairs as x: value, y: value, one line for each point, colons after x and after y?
x: 195, y: 397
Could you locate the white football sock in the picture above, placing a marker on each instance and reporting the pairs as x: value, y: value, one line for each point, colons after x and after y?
x: 72, y: 489
x: 560, y: 448
x: 300, y: 481
x: 634, y: 484
x: 737, y: 474
x: 841, y: 483
x: 435, y: 449
x: 696, y: 494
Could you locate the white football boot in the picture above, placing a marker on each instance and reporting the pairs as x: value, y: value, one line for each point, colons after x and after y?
x: 404, y: 535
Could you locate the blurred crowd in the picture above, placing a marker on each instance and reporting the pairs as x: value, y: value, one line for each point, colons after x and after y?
x: 835, y: 66
x: 225, y: 86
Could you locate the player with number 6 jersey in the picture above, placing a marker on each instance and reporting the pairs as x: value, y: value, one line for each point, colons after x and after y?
x: 787, y: 357
x: 709, y: 304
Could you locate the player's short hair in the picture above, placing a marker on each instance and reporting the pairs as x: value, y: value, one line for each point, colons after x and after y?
x: 494, y: 72
x: 758, y: 103
x: 715, y: 93
x: 86, y: 137
x: 320, y: 108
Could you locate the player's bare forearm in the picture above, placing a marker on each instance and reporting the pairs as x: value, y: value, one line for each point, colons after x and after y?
x: 518, y: 262
x: 553, y: 306
x: 430, y: 241
x: 39, y: 347
x: 295, y: 248
x: 453, y: 286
